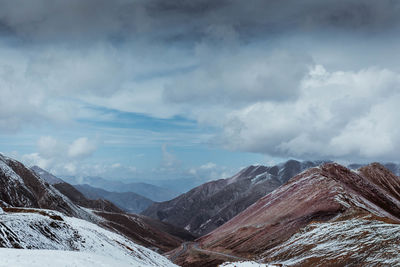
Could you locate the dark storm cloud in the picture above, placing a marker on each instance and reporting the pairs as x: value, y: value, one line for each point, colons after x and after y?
x: 120, y: 20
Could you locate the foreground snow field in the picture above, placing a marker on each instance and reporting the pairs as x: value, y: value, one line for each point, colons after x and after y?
x: 49, y: 258
x: 52, y: 239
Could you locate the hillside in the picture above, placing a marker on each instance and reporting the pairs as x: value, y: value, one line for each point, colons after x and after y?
x: 210, y: 205
x: 321, y: 216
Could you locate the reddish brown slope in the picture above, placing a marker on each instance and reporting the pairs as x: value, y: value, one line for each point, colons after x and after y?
x: 318, y: 194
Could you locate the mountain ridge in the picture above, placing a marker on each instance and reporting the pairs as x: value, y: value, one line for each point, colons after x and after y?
x: 282, y: 227
x: 208, y: 206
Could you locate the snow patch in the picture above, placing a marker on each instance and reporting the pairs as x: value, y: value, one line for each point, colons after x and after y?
x: 50, y: 258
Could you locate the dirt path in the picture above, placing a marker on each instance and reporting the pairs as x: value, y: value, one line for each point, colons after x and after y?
x: 185, y: 246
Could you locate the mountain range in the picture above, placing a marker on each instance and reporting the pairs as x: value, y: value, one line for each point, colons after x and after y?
x: 210, y: 205
x: 311, y: 213
x: 153, y: 192
x: 325, y: 216
x: 127, y: 201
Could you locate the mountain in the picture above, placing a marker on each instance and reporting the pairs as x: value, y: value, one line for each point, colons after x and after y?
x: 35, y: 215
x: 325, y: 216
x: 153, y: 192
x: 393, y: 167
x: 79, y: 199
x: 127, y: 201
x: 210, y: 205
x: 21, y: 187
x: 38, y: 230
x: 144, y: 231
x: 45, y: 175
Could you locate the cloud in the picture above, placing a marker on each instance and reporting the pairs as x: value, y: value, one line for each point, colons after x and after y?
x: 209, y: 165
x: 337, y: 115
x: 245, y: 76
x: 122, y: 19
x: 168, y: 160
x: 59, y: 156
x: 316, y: 79
x: 81, y: 147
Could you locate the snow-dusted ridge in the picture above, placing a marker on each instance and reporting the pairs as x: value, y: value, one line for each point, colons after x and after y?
x: 325, y: 216
x: 40, y: 220
x: 50, y: 230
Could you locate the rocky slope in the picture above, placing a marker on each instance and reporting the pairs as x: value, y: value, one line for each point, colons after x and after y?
x: 21, y: 187
x: 127, y: 201
x: 326, y: 215
x: 210, y: 205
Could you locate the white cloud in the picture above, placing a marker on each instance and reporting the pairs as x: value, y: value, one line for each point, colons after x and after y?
x: 60, y: 157
x: 208, y: 166
x: 35, y: 159
x: 81, y: 147
x: 116, y: 165
x: 341, y: 114
x: 169, y: 160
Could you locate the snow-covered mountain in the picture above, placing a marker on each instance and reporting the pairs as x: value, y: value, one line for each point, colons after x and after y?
x: 38, y: 216
x: 210, y: 205
x: 325, y: 216
x: 38, y: 229
x: 21, y: 187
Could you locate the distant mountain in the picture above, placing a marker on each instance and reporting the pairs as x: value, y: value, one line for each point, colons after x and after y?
x: 127, y: 201
x: 325, y: 216
x: 79, y: 199
x: 153, y: 192
x: 210, y: 205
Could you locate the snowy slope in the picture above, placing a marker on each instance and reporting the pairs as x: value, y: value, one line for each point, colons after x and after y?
x: 341, y: 242
x: 50, y: 258
x: 44, y: 229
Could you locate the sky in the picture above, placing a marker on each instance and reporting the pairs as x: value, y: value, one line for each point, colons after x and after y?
x: 153, y: 89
